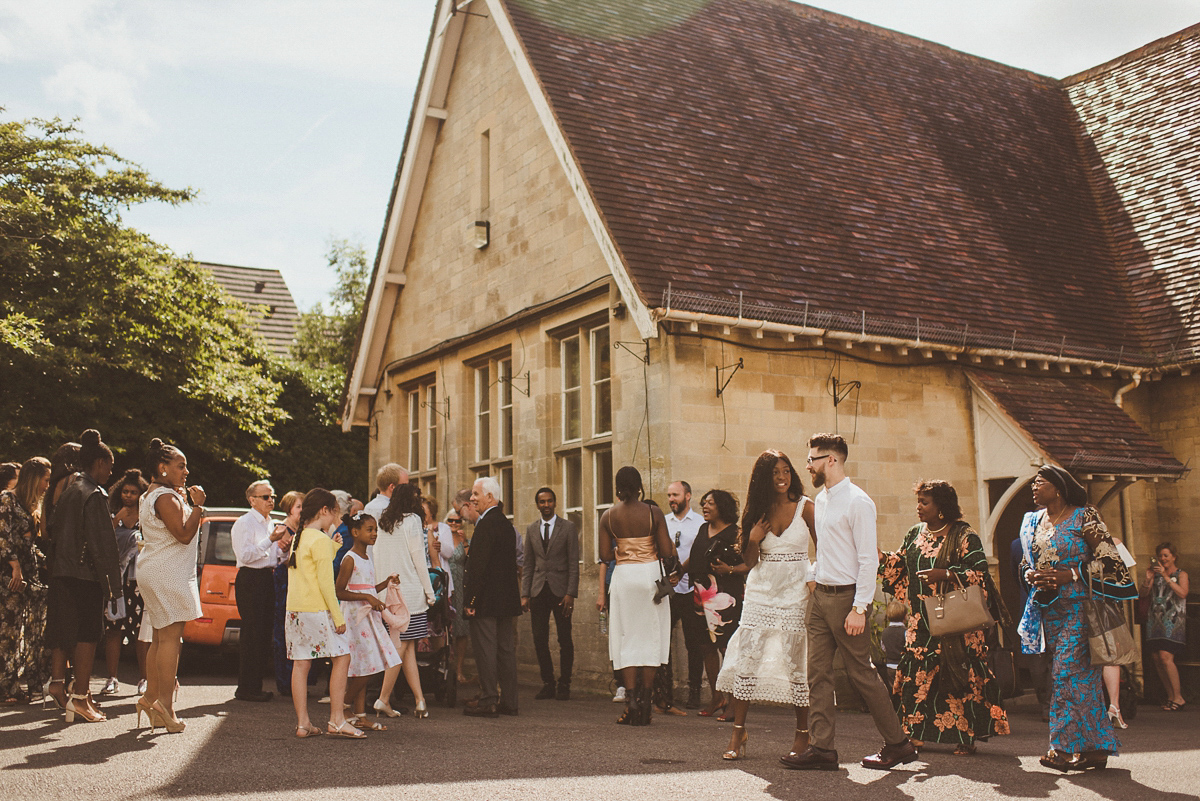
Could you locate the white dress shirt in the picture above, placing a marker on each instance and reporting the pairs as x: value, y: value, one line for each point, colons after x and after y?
x: 683, y: 534
x: 377, y: 505
x: 251, y: 535
x: 846, y: 540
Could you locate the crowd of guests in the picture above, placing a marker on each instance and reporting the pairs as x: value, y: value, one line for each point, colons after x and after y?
x: 352, y: 590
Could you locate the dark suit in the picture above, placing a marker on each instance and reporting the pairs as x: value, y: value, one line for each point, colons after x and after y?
x: 492, y: 592
x: 551, y: 571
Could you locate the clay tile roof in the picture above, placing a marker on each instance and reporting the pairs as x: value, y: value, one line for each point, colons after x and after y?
x: 1142, y: 114
x: 260, y: 287
x: 798, y: 157
x: 1079, y: 426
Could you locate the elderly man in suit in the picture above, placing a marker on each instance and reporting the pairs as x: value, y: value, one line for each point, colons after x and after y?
x: 549, y: 585
x: 493, y: 601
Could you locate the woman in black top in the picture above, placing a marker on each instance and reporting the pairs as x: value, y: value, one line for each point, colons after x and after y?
x: 718, y: 574
x: 85, y: 575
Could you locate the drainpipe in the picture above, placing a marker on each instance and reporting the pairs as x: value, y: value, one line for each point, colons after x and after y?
x: 1119, y: 397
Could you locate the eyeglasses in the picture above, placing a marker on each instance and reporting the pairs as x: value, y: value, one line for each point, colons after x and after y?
x: 270, y: 497
x: 815, y: 459
x: 453, y: 520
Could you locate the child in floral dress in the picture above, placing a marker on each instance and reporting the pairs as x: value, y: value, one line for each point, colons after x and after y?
x: 371, y: 649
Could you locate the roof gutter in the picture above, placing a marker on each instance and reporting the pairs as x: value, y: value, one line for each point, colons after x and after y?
x: 850, y: 338
x: 1119, y: 396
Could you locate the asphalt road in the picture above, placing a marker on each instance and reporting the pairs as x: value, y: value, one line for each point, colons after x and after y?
x: 553, y: 750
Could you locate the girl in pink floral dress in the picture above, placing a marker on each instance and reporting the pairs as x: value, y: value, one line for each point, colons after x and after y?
x: 371, y: 649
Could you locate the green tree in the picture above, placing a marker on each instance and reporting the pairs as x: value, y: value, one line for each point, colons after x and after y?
x: 325, y: 340
x: 102, y: 327
x: 313, y: 450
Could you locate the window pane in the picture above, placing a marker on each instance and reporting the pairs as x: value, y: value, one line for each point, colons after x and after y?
x: 604, y: 477
x: 570, y: 363
x: 414, y: 430
x: 506, y: 489
x: 504, y: 370
x: 601, y: 352
x: 573, y: 481
x: 602, y: 406
x: 572, y: 425
x: 431, y: 421
x: 483, y: 423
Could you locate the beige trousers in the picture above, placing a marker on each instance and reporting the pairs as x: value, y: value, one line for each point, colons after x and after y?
x: 826, y: 634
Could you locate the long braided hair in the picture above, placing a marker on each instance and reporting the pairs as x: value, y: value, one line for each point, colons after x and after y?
x: 315, y: 500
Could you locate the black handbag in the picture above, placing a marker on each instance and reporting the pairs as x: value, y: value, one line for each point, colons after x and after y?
x: 662, y: 585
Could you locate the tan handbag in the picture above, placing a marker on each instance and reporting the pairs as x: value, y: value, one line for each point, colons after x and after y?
x: 1109, y: 638
x: 958, y: 611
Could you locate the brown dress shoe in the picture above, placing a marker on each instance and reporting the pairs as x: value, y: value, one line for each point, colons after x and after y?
x: 813, y: 758
x: 481, y: 711
x: 891, y: 755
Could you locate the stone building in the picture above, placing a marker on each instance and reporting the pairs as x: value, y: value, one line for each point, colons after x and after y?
x: 674, y: 233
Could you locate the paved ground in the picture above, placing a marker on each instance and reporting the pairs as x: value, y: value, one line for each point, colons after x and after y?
x: 554, y: 750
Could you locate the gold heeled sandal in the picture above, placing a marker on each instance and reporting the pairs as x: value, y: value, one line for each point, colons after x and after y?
x: 84, y: 710
x: 740, y: 751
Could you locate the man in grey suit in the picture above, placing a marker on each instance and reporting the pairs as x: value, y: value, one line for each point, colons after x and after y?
x: 549, y: 585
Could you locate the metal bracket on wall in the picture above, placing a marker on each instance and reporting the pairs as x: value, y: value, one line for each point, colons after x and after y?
x: 645, y: 358
x: 841, y: 390
x: 734, y: 367
x: 512, y: 382
x: 437, y: 408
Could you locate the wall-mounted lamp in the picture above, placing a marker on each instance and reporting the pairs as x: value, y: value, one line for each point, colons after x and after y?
x: 483, y: 233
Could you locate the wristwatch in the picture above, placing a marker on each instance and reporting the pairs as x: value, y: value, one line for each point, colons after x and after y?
x: 860, y: 609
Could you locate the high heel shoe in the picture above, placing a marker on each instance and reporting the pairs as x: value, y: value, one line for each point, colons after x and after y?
x: 714, y: 711
x: 420, y: 710
x: 633, y: 709
x: 646, y: 696
x: 739, y: 751
x: 49, y: 697
x: 383, y: 707
x: 1114, y: 714
x: 151, y: 714
x: 172, y: 724
x: 83, y: 710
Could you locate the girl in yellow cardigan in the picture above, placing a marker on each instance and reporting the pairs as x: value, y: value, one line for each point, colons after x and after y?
x: 314, y: 626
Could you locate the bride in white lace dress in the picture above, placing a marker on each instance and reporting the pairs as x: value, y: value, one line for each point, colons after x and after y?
x: 767, y: 657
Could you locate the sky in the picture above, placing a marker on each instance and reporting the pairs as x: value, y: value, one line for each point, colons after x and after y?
x: 288, y: 116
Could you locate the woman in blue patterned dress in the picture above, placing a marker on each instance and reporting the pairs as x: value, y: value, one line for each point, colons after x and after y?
x: 1066, y: 544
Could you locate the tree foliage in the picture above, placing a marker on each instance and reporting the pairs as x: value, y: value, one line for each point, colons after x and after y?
x: 325, y: 339
x: 101, y: 327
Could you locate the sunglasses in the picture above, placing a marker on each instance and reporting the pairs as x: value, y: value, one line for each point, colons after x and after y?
x: 270, y: 497
x: 453, y: 520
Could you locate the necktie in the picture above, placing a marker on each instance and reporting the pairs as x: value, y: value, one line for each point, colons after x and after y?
x: 546, y: 536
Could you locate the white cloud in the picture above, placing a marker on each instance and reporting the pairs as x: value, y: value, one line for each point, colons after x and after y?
x: 106, y: 98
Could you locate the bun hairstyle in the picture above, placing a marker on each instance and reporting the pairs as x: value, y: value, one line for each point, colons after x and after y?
x: 356, y: 521
x: 92, y: 449
x: 628, y: 483
x: 315, y: 500
x: 159, y: 454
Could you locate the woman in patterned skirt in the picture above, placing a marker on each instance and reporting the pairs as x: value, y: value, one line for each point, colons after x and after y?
x: 1066, y: 544
x: 944, y: 690
x: 23, y: 655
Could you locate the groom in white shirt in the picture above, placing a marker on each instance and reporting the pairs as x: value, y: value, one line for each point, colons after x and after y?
x: 845, y: 571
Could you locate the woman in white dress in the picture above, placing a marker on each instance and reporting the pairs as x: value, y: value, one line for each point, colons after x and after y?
x: 639, y: 630
x: 169, y: 516
x: 767, y: 658
x: 400, y: 551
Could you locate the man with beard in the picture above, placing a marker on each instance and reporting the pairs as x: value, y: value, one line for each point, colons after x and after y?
x: 683, y: 524
x: 845, y: 571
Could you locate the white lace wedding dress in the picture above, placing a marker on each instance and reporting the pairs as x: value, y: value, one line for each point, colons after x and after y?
x: 767, y: 658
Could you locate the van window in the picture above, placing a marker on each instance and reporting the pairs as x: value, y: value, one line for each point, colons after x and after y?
x: 220, y: 535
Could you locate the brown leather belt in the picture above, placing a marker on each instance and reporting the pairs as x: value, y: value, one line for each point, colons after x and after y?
x: 836, y: 588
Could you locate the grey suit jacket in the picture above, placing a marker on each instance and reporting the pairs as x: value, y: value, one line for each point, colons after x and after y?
x: 558, y: 566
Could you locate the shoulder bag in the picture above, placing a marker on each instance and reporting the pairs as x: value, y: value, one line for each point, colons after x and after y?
x: 958, y: 611
x: 1109, y: 638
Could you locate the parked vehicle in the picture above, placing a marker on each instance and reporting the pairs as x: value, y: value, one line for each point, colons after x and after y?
x: 219, y: 623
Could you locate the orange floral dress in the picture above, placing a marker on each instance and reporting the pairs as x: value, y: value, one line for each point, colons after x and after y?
x: 933, y: 706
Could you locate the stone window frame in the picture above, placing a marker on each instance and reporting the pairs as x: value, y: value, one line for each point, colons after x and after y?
x: 496, y: 390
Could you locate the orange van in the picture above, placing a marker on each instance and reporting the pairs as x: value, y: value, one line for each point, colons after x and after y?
x: 216, y: 569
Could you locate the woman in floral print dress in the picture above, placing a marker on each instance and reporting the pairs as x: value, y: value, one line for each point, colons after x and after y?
x: 944, y: 691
